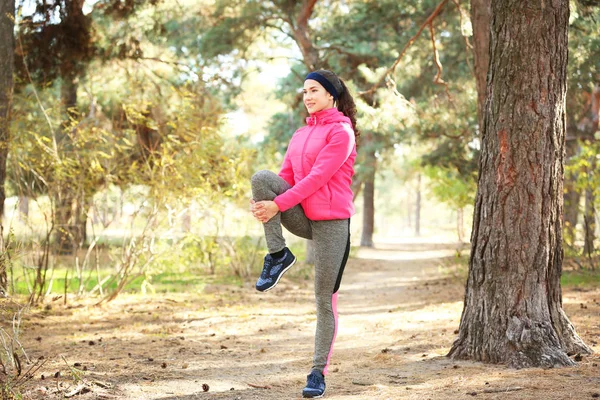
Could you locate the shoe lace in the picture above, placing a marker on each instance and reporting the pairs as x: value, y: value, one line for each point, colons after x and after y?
x: 266, y: 268
x: 314, y: 379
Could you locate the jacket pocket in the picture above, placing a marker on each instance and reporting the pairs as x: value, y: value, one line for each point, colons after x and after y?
x: 330, y: 194
x: 297, y: 167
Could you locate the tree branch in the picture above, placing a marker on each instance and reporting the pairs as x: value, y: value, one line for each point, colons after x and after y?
x: 392, y: 69
x: 280, y: 29
x: 436, y: 59
x: 307, y: 9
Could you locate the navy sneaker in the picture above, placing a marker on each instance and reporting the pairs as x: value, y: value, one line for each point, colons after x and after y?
x: 315, y: 385
x: 273, y: 270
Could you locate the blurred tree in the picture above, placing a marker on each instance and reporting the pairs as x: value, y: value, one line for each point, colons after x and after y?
x: 56, y: 45
x: 480, y: 20
x: 583, y: 98
x: 583, y: 171
x: 140, y: 54
x: 7, y: 45
x: 513, y: 312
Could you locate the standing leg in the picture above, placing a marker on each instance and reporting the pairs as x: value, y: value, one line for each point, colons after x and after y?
x: 332, y: 246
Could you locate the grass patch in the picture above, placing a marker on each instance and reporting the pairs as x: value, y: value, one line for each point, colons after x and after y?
x: 580, y: 278
x: 164, y: 282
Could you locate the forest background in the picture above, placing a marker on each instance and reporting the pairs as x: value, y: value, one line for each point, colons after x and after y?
x: 134, y: 128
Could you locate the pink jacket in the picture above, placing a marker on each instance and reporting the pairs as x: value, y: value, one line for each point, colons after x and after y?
x: 319, y: 164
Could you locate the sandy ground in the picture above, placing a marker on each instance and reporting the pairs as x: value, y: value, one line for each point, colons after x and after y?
x: 399, y: 308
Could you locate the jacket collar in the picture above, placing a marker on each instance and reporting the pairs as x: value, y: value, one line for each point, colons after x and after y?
x: 325, y: 116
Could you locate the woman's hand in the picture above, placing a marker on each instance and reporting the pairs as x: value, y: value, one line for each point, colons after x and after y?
x: 263, y: 210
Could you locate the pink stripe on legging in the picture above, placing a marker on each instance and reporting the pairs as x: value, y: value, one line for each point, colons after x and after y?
x: 335, y: 319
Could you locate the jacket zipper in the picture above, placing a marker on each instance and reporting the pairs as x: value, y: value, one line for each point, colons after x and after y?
x: 304, y: 148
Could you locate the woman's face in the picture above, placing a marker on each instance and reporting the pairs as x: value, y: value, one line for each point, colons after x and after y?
x: 316, y: 98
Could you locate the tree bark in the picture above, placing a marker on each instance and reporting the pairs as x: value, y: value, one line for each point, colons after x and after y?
x: 480, y: 20
x: 7, y: 51
x: 512, y: 308
x: 366, y: 239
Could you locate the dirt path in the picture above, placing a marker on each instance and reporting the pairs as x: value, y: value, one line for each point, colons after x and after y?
x: 398, y: 312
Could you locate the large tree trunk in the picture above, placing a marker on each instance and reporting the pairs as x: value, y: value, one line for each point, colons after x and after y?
x: 480, y: 20
x: 512, y: 310
x: 366, y: 239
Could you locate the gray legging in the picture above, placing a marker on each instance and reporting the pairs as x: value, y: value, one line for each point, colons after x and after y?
x: 331, y: 241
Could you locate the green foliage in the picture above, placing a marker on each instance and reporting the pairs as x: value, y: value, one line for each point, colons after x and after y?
x: 583, y: 168
x: 169, y: 281
x: 581, y: 173
x: 183, y: 153
x: 387, y: 119
x: 230, y: 256
x: 449, y: 187
x: 236, y: 24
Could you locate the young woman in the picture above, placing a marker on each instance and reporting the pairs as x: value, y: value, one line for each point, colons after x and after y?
x: 311, y: 197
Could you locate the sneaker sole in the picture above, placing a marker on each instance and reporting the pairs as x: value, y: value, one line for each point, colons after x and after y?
x: 281, y: 274
x: 313, y: 397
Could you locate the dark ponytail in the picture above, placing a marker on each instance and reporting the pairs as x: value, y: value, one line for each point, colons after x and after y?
x: 345, y: 101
